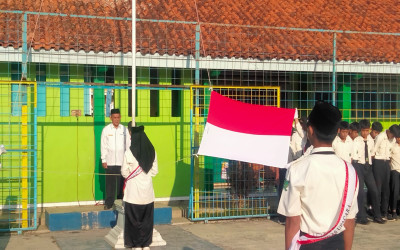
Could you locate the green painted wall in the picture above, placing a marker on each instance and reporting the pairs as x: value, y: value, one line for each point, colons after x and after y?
x: 170, y: 135
x: 66, y: 152
x: 69, y: 149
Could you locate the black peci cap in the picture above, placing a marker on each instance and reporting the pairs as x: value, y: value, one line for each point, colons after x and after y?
x: 325, y: 118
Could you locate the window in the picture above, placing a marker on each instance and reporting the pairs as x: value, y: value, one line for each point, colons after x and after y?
x: 98, y: 74
x: 16, y: 71
x: 64, y: 90
x: 154, y: 94
x: 87, y: 92
x: 176, y: 100
x: 364, y: 104
x: 374, y: 105
x: 110, y: 74
x: 388, y: 104
x: 18, y: 91
x: 64, y: 73
x: 323, y: 96
x: 41, y: 89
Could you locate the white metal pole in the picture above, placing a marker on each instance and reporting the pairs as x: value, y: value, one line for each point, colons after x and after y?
x: 133, y: 62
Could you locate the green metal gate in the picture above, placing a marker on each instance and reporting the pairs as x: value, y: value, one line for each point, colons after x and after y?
x: 18, y: 175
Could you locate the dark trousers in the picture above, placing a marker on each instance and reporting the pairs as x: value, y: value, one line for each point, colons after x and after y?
x: 369, y: 198
x: 282, y: 176
x: 366, y: 177
x: 381, y: 170
x: 139, y: 220
x: 394, y: 189
x: 333, y: 243
x: 361, y: 192
x: 114, y: 185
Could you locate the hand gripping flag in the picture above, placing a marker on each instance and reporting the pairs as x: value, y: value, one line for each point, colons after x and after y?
x: 247, y: 132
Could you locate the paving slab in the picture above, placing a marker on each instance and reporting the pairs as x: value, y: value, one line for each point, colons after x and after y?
x: 240, y: 234
x: 377, y: 236
x: 179, y: 238
x: 29, y: 241
x: 82, y: 240
x: 237, y: 234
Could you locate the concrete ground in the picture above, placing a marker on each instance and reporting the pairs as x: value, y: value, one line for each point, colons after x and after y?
x: 238, y: 234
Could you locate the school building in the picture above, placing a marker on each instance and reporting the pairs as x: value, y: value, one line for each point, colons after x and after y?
x: 65, y: 64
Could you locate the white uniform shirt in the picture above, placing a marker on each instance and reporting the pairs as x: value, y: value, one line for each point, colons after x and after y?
x: 138, y: 190
x: 395, y: 159
x: 359, y: 149
x: 383, y: 146
x: 112, y: 144
x: 343, y: 149
x: 314, y: 189
x: 298, y: 142
x: 370, y: 138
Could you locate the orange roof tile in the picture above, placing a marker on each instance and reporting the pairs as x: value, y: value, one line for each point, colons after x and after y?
x: 88, y: 34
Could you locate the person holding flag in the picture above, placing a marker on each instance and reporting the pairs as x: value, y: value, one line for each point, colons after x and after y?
x: 319, y: 197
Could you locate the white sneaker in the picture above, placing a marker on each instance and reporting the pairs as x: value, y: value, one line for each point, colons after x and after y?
x: 137, y: 248
x: 146, y: 248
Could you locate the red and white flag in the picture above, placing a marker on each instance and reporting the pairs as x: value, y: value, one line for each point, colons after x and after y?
x: 247, y: 132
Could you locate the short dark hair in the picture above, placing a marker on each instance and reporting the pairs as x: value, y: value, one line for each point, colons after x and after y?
x: 115, y: 111
x: 364, y: 123
x: 355, y: 126
x: 377, y: 126
x: 395, y: 130
x: 343, y: 125
x: 324, y: 137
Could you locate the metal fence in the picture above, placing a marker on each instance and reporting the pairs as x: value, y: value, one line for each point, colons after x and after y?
x: 18, y: 181
x: 222, y: 188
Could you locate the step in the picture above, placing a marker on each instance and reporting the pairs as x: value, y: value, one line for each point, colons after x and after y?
x: 93, y: 217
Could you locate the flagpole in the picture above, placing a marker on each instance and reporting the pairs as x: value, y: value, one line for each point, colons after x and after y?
x: 133, y: 93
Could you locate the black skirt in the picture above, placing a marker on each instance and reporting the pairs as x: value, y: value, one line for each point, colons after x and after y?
x: 138, y: 230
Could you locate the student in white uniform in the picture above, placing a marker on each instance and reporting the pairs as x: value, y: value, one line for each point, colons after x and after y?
x: 394, y: 180
x: 354, y: 130
x: 343, y: 144
x: 381, y: 168
x: 362, y: 162
x: 114, y: 141
x: 299, y: 138
x: 319, y: 198
x: 376, y: 129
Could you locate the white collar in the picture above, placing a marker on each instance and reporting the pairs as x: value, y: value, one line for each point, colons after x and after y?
x: 321, y: 149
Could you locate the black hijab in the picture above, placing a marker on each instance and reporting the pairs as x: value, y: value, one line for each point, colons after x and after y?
x: 142, y: 149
